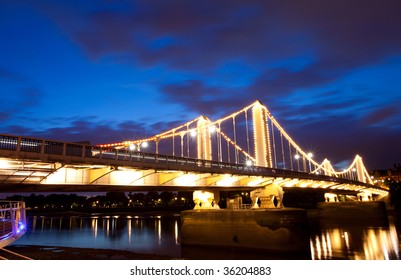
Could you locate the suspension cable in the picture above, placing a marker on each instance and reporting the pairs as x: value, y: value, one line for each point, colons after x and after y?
x: 187, y: 140
x: 228, y: 152
x: 282, y: 149
x: 173, y: 143
x: 182, y: 144
x: 235, y: 141
x: 274, y: 146
x: 291, y: 144
x: 289, y: 148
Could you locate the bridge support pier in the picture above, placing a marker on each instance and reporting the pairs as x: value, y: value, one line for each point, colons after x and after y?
x: 206, y: 200
x: 264, y: 197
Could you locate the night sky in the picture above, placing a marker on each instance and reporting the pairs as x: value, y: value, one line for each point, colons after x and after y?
x: 107, y: 71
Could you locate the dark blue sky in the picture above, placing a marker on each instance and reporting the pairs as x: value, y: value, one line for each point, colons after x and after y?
x: 107, y: 71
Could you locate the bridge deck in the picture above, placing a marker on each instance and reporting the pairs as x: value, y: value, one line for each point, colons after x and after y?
x: 28, y: 162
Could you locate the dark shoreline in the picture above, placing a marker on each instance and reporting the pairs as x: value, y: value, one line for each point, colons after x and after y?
x: 73, y: 253
x: 108, y: 211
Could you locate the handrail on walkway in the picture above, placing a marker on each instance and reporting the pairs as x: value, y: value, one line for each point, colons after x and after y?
x: 12, y: 221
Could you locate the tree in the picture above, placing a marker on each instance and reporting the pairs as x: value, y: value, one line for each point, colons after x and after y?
x: 185, y: 199
x: 116, y: 199
x: 166, y: 198
x: 137, y: 199
x: 151, y: 199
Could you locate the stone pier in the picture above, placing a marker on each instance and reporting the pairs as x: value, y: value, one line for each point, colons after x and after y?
x: 281, y: 230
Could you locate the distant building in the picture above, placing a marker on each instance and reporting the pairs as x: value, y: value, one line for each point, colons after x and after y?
x: 393, y: 174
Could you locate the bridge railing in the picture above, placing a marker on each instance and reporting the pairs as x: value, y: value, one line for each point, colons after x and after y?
x: 25, y: 147
x: 12, y: 221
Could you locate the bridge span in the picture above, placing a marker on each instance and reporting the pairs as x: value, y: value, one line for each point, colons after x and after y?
x: 235, y: 152
x: 39, y: 165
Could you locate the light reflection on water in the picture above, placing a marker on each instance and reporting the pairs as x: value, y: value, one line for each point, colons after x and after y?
x: 141, y: 234
x: 160, y: 235
x: 355, y: 241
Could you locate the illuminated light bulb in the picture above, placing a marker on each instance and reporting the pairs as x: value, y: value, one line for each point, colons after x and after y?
x: 310, y: 155
x: 132, y: 147
x: 249, y: 162
x: 354, y: 169
x: 296, y: 156
x: 145, y: 144
x: 193, y: 133
x: 212, y: 129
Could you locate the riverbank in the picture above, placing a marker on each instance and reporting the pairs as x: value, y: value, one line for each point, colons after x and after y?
x: 69, y: 253
x: 107, y: 211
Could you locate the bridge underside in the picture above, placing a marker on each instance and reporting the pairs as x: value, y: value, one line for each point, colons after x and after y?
x: 73, y: 174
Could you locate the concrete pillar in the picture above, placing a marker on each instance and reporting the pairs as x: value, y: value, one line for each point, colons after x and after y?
x: 206, y: 200
x: 266, y: 196
x: 261, y: 137
x: 204, y: 142
x: 330, y: 197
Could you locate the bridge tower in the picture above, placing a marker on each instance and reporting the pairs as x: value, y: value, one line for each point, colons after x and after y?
x: 327, y: 167
x: 205, y: 199
x: 261, y: 136
x: 360, y: 168
x: 204, y: 142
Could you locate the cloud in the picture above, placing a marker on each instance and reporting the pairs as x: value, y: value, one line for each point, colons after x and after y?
x: 4, y: 115
x: 17, y: 94
x: 281, y: 82
x: 10, y: 76
x: 18, y: 101
x: 382, y: 115
x: 340, y: 139
x: 287, y: 45
x: 207, y: 100
x: 79, y: 129
x: 195, y: 35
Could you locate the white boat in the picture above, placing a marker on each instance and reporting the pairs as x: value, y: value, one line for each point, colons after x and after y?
x: 12, y: 221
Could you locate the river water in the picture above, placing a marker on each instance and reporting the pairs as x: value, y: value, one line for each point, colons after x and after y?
x: 160, y: 234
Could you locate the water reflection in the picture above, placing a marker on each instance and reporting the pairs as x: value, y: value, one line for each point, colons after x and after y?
x: 142, y: 234
x: 356, y: 240
x: 161, y: 235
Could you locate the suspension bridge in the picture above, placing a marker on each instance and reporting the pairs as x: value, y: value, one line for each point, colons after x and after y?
x: 247, y: 150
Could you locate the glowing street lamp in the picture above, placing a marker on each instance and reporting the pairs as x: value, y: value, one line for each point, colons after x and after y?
x: 212, y: 129
x: 249, y: 163
x: 144, y: 144
x: 132, y: 147
x: 193, y: 133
